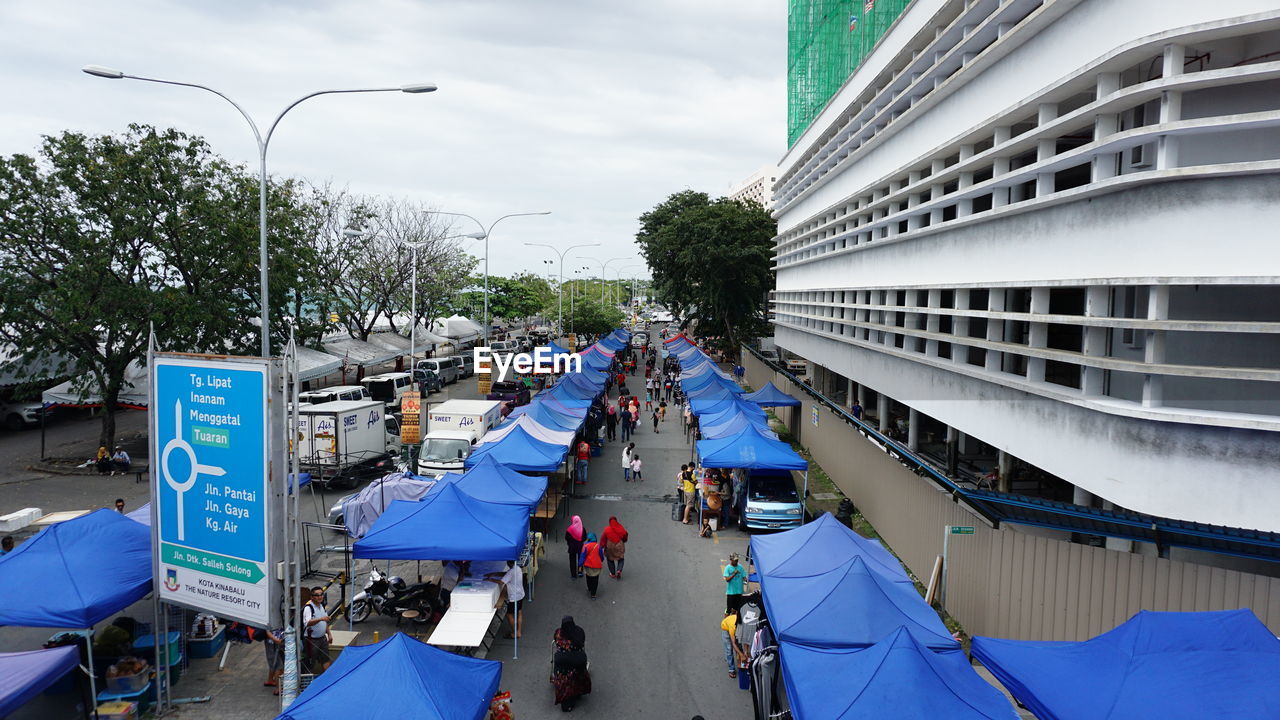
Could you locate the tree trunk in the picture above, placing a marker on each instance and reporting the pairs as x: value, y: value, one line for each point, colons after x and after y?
x: 107, y: 437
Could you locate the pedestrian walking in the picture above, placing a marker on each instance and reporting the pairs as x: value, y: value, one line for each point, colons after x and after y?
x: 573, y: 539
x: 635, y: 467
x: 689, y: 484
x: 626, y: 461
x: 655, y: 419
x: 584, y: 458
x: 667, y: 385
x: 662, y: 410
x: 735, y: 577
x: 733, y: 654
x: 570, y: 677
x: 615, y: 538
x: 626, y: 425
x: 590, y: 561
x: 856, y: 410
x: 316, y: 633
x: 611, y: 423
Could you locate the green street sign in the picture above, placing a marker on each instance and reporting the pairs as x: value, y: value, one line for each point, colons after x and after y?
x: 211, y: 563
x: 961, y: 529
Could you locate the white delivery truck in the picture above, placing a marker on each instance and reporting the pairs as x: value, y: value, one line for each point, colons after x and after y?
x: 339, y: 437
x: 449, y: 431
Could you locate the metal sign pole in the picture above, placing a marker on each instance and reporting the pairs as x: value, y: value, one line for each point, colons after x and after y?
x: 946, y: 565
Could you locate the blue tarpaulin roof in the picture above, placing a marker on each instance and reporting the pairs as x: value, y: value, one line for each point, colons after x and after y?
x: 24, y: 674
x: 771, y: 396
x: 708, y: 382
x: 496, y: 483
x: 1168, y: 665
x: 520, y: 451
x: 729, y: 411
x: 447, y: 525
x: 851, y: 606
x: 710, y: 403
x: 733, y: 425
x: 751, y: 450
x: 819, y: 547
x: 596, y: 358
x: 399, y: 677
x: 554, y: 348
x: 77, y: 573
x: 895, y: 678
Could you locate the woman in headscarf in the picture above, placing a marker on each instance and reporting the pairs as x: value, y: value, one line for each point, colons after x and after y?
x: 590, y: 561
x: 614, y: 538
x: 573, y: 539
x: 569, y: 676
x: 103, y: 461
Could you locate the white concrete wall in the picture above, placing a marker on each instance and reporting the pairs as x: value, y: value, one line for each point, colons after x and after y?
x: 1217, y: 228
x: 1088, y: 32
x: 1202, y: 474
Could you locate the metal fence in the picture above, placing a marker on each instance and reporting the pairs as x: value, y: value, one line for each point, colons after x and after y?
x: 1004, y: 582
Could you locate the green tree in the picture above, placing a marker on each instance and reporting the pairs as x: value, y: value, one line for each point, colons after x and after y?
x: 510, y: 298
x: 103, y: 238
x: 588, y: 315
x: 710, y: 260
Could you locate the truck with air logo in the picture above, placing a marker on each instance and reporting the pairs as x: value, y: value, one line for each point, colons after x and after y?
x: 451, y: 429
x: 337, y: 438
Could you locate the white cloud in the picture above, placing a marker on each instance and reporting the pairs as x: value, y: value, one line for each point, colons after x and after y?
x: 593, y: 110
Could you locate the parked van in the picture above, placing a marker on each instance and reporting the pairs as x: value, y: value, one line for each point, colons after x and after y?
x: 465, y: 365
x: 443, y: 367
x: 502, y: 346
x: 769, y: 501
x: 389, y: 387
x: 330, y: 394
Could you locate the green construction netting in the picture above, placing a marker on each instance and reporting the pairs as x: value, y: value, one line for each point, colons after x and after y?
x: 826, y: 41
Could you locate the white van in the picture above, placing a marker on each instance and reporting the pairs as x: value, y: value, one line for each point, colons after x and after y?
x: 444, y: 369
x: 389, y: 387
x: 330, y: 394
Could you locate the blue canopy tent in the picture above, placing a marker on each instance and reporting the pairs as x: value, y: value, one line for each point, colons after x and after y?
x: 749, y: 449
x: 897, y: 677
x: 820, y: 547
x: 554, y: 348
x: 24, y: 674
x: 552, y: 435
x: 77, y: 573
x: 399, y: 677
x: 576, y: 386
x: 734, y: 424
x: 496, y: 483
x: 771, y: 396
x: 520, y: 451
x: 851, y: 606
x: 1169, y: 665
x: 709, y: 381
x: 546, y: 414
x: 596, y: 358
x: 730, y: 410
x: 446, y: 525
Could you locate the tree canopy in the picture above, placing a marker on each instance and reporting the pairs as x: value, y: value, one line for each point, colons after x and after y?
x: 710, y: 259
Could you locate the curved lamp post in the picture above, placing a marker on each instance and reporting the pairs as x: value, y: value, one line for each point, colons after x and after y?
x: 561, y: 253
x: 263, y: 142
x: 485, y: 232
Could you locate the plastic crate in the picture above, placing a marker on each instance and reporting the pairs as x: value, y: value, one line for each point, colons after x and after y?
x: 124, y: 684
x: 145, y: 646
x: 207, y: 647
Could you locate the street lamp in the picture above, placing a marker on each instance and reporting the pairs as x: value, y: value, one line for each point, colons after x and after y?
x: 263, y: 142
x: 604, y: 264
x: 618, y: 277
x: 486, y: 232
x: 413, y: 284
x: 560, y: 321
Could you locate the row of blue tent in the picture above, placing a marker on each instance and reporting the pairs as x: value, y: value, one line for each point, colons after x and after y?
x: 841, y: 605
x: 733, y: 424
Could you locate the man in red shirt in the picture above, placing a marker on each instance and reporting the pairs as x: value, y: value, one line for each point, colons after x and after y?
x: 584, y: 454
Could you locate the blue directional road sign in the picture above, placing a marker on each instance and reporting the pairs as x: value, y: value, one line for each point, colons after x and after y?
x: 210, y: 458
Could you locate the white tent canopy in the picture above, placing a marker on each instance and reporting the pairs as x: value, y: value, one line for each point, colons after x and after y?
x: 358, y: 352
x: 457, y: 328
x: 83, y: 391
x: 314, y: 364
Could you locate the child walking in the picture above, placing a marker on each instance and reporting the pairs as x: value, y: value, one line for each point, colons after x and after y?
x: 635, y: 468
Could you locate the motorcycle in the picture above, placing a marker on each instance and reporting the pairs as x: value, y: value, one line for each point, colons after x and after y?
x: 391, y: 596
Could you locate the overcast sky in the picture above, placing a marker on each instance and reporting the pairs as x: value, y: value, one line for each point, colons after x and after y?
x: 593, y: 110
